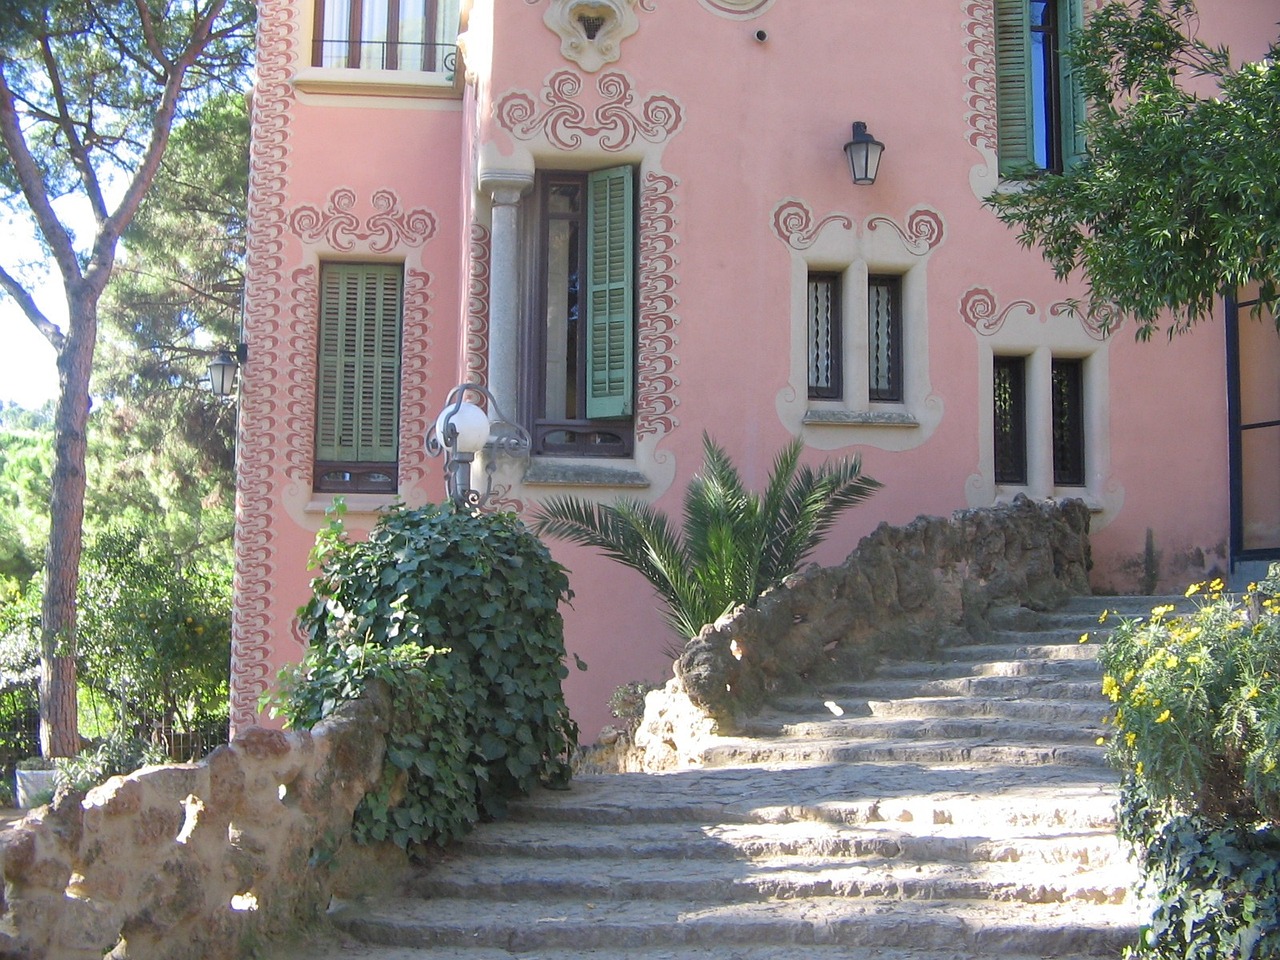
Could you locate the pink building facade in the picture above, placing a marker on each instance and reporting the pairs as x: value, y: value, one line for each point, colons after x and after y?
x: 633, y: 221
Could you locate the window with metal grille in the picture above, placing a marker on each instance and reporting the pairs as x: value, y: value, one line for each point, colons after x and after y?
x: 826, y: 337
x: 358, y: 378
x: 1068, y: 422
x: 386, y: 34
x: 884, y: 338
x: 1009, y: 393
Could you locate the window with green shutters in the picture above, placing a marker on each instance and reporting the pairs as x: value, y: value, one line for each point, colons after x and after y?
x: 358, y: 377
x: 582, y: 384
x: 1039, y: 104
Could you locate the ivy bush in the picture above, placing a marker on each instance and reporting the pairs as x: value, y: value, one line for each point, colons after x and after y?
x: 459, y: 614
x: 1197, y: 738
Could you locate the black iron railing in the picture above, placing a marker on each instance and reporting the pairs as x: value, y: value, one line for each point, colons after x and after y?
x: 385, y: 55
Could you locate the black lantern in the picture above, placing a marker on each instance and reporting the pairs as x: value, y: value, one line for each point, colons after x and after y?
x: 863, y: 153
x: 222, y: 370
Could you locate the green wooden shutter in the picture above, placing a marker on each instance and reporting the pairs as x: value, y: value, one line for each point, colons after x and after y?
x: 1071, y: 18
x: 358, y: 373
x: 610, y: 292
x: 1013, y: 86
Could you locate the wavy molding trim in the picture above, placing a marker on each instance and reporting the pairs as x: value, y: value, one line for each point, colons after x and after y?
x: 388, y: 227
x: 656, y: 381
x: 477, y: 331
x: 737, y: 9
x: 261, y: 432
x: 612, y: 125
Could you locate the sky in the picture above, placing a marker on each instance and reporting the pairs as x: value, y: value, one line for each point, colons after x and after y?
x: 28, y: 374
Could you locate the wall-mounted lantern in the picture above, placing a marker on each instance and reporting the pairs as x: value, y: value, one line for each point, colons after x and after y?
x: 223, y: 367
x: 464, y: 429
x: 863, y: 153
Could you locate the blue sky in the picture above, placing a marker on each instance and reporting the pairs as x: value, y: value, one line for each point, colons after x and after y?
x: 28, y: 374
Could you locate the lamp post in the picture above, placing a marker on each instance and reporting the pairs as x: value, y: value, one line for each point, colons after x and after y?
x: 223, y: 367
x: 863, y: 153
x: 464, y: 429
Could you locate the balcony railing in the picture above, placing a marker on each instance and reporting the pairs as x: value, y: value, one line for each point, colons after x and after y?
x: 385, y: 55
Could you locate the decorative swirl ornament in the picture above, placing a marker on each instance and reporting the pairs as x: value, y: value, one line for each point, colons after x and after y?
x: 793, y: 223
x: 477, y: 332
x: 382, y: 231
x: 978, y: 308
x: 613, y: 125
x: 923, y: 232
x: 1099, y: 320
x: 656, y: 381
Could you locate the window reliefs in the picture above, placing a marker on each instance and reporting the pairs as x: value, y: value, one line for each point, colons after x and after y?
x: 1039, y: 103
x: 409, y: 35
x: 580, y: 374
x: 358, y: 378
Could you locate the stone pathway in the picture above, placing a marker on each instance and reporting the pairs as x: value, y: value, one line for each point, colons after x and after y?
x: 945, y: 810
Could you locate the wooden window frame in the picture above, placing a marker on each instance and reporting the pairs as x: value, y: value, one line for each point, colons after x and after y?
x: 337, y: 396
x: 892, y: 390
x: 1010, y: 444
x: 578, y: 435
x: 431, y: 59
x: 833, y: 388
x: 1067, y: 391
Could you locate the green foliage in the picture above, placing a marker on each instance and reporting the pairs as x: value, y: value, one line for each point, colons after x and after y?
x: 459, y: 614
x: 26, y: 462
x: 19, y: 676
x: 1178, y: 197
x: 1215, y: 884
x: 733, y: 545
x: 627, y: 703
x: 1197, y: 705
x: 1197, y: 717
x: 155, y: 637
x: 115, y: 755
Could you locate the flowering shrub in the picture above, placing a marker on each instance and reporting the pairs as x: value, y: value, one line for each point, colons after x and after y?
x: 1197, y: 704
x: 1197, y: 722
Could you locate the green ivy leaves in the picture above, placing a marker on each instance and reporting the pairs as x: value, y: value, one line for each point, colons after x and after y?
x: 459, y: 614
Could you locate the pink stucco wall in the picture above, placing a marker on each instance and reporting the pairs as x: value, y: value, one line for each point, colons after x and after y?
x: 750, y: 131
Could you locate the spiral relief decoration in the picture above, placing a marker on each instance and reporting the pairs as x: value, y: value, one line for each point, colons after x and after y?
x: 298, y: 401
x: 656, y: 380
x: 613, y: 124
x: 476, y: 347
x: 923, y: 232
x: 1099, y: 320
x: 979, y: 310
x: 416, y: 412
x: 794, y: 226
x: 261, y: 432
x: 381, y: 232
x: 980, y: 73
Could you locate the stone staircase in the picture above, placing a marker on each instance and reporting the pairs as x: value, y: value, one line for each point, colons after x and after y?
x: 944, y: 810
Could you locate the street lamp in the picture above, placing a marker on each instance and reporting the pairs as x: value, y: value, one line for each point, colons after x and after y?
x: 223, y: 367
x: 464, y: 429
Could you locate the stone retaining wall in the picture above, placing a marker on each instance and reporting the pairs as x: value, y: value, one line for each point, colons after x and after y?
x: 196, y: 861
x: 904, y: 590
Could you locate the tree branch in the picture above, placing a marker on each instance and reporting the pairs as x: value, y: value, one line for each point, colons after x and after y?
x: 31, y: 181
x: 79, y: 155
x: 50, y: 330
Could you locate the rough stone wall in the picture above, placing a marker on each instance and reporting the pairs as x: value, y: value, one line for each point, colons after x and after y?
x: 906, y: 590
x: 196, y: 861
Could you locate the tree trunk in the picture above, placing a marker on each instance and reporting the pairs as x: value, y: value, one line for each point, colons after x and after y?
x: 59, y: 729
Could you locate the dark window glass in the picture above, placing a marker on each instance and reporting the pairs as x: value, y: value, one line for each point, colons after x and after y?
x: 1068, y: 423
x: 1009, y: 390
x: 884, y: 339
x: 825, y: 337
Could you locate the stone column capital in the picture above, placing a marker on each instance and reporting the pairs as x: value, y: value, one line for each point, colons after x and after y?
x: 506, y: 187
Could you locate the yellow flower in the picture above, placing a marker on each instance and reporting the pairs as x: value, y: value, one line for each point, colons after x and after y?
x: 1130, y: 739
x: 1253, y: 692
x: 1163, y: 718
x: 1138, y: 768
x: 1170, y: 662
x: 1193, y: 590
x: 1217, y: 585
x: 1102, y: 617
x: 1084, y: 637
x: 1100, y: 741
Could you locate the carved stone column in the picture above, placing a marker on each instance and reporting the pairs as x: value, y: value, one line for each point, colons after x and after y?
x: 506, y: 189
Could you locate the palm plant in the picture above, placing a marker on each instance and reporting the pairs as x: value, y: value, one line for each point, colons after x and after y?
x: 733, y: 544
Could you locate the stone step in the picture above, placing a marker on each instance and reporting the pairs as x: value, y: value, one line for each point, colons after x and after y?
x: 1018, y: 649
x: 1076, y: 669
x: 1085, y: 713
x: 911, y: 840
x: 976, y: 798
x: 779, y: 878
x: 1041, y: 732
x: 978, y: 928
x: 740, y: 751
x: 1040, y: 688
x: 337, y: 946
x: 1068, y: 636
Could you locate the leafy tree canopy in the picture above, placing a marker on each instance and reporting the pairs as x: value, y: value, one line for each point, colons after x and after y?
x: 1178, y: 198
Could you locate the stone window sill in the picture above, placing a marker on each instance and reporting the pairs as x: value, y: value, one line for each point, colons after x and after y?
x: 577, y: 473
x: 357, y: 503
x: 378, y: 83
x: 859, y: 418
